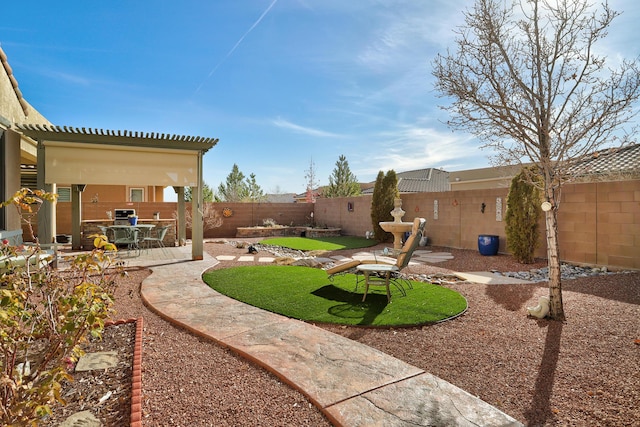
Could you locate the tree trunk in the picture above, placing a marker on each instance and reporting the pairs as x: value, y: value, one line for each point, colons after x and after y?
x: 556, y: 309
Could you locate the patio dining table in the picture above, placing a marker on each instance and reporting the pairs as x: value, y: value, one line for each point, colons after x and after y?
x: 123, y: 234
x: 143, y: 228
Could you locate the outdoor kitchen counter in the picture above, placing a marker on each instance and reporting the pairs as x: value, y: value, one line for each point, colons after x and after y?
x: 90, y: 227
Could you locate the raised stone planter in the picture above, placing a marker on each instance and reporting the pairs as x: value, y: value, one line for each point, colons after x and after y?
x: 322, y: 232
x: 244, y: 232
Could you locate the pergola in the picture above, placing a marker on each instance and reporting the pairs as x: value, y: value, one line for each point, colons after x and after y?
x: 78, y: 157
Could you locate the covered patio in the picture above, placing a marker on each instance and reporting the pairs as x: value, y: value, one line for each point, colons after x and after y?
x: 77, y: 157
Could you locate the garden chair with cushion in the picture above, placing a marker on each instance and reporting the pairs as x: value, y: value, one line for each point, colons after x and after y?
x: 39, y: 254
x: 381, y: 268
x: 386, y: 274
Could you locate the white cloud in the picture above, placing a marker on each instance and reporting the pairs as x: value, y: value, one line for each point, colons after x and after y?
x: 285, y: 124
x: 412, y: 147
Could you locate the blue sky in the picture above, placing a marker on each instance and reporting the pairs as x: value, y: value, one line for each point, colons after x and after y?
x: 281, y: 83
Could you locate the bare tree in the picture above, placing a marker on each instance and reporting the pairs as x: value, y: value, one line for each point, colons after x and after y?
x: 528, y: 81
x: 210, y: 217
x: 312, y: 182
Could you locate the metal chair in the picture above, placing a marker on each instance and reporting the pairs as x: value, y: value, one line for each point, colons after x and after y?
x: 158, y: 239
x: 126, y: 236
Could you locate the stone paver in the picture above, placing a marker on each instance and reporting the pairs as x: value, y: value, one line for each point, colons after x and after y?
x: 488, y: 278
x: 97, y: 360
x: 353, y: 384
x: 82, y: 419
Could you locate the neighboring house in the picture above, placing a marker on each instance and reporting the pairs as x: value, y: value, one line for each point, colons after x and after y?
x: 304, y: 197
x: 428, y: 180
x: 417, y: 181
x: 280, y: 198
x: 612, y: 164
x: 483, y: 178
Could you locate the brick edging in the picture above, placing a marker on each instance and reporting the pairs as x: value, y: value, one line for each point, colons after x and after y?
x: 136, y: 375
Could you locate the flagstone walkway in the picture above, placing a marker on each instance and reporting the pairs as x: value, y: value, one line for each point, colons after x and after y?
x: 351, y: 383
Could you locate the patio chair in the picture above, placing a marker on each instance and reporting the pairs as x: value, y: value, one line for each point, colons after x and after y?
x: 126, y: 236
x: 47, y: 253
x: 384, y: 274
x: 158, y: 239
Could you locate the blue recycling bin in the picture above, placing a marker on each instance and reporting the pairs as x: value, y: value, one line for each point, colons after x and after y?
x: 488, y: 244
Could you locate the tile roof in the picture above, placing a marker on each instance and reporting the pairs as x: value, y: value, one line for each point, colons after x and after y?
x: 420, y: 181
x: 610, y: 161
x: 280, y: 198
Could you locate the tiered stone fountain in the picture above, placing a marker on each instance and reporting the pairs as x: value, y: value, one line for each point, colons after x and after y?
x: 396, y: 227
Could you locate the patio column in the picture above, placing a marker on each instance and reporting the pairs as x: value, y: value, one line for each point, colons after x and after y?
x: 47, y: 213
x: 76, y: 216
x: 181, y: 223
x: 197, y: 224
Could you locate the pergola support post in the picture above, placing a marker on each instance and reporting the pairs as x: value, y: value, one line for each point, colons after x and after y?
x: 197, y: 221
x: 181, y: 224
x: 47, y: 213
x: 76, y: 217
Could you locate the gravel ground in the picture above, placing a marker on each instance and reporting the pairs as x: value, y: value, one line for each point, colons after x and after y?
x: 188, y: 381
x: 581, y: 372
x: 106, y: 393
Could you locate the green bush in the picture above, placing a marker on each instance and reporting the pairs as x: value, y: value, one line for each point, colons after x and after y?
x: 384, y: 191
x: 44, y: 315
x: 523, y: 214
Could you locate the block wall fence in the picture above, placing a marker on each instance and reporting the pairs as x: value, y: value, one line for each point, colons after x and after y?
x: 599, y: 223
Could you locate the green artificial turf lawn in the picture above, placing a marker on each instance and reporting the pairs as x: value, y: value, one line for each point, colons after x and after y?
x: 307, y: 294
x: 321, y: 243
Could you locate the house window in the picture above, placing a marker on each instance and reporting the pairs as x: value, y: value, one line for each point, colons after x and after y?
x: 64, y: 194
x: 136, y: 194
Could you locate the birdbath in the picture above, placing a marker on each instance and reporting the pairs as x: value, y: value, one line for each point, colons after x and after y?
x: 396, y: 227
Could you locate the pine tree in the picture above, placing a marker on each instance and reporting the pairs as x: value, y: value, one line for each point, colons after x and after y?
x: 254, y: 192
x: 342, y: 183
x: 207, y: 193
x: 235, y: 188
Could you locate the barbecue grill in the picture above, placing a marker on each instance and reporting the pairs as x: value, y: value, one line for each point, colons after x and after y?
x: 122, y: 216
